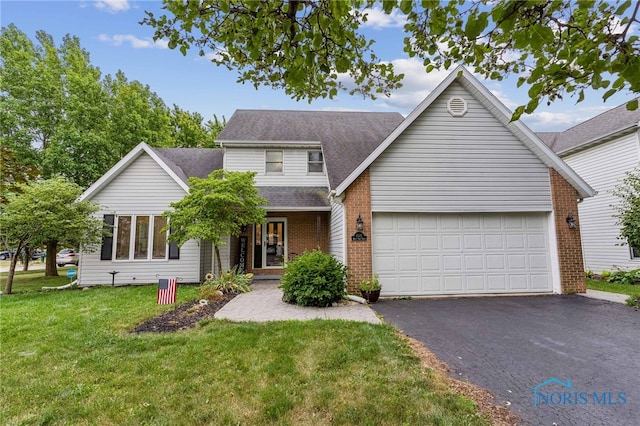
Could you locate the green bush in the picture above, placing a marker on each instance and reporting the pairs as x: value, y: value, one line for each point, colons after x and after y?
x: 314, y: 279
x: 634, y: 300
x: 230, y: 281
x: 624, y: 277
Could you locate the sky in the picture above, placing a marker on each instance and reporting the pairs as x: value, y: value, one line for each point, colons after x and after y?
x: 110, y: 31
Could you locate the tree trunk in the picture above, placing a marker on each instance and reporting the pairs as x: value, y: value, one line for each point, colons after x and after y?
x: 8, y: 288
x: 26, y: 258
x: 51, y: 269
x: 218, y: 260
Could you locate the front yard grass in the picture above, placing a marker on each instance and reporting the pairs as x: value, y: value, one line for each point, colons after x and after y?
x: 69, y: 357
x: 33, y: 280
x: 628, y: 289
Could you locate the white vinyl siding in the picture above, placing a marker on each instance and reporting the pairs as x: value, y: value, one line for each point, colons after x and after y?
x: 472, y: 163
x: 603, y: 167
x: 143, y: 188
x: 336, y: 231
x: 462, y: 253
x: 224, y: 257
x: 295, y: 166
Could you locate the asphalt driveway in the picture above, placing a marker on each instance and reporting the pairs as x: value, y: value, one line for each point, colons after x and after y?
x: 510, y: 345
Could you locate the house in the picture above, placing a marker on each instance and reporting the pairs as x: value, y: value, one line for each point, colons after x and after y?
x: 602, y: 150
x: 453, y: 199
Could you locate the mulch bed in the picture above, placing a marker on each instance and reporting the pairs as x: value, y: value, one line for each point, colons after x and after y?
x: 183, y: 317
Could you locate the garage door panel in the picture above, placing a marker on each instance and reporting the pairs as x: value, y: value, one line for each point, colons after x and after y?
x: 408, y: 263
x: 452, y: 263
x: 518, y: 282
x: 538, y: 262
x: 472, y: 242
x: 430, y: 263
x: 517, y: 261
x: 536, y: 241
x: 473, y: 262
x: 451, y: 242
x: 496, y: 283
x: 461, y: 253
x: 475, y: 282
x: 409, y: 284
x: 431, y: 284
x: 515, y: 242
x: 429, y: 242
x: 453, y: 283
x: 407, y: 243
x: 493, y: 242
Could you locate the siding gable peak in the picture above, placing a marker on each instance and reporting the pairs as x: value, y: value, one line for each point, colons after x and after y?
x: 125, y: 162
x: 498, y: 110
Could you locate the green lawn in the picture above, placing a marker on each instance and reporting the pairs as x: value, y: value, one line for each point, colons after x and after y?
x: 69, y: 357
x: 613, y: 287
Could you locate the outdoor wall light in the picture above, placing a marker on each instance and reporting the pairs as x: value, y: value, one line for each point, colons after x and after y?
x: 571, y: 221
x: 359, y: 224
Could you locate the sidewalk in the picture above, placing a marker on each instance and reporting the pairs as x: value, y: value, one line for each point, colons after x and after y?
x: 265, y: 303
x: 605, y: 295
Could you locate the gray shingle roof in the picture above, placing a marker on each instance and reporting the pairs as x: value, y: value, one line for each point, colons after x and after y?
x: 191, y: 162
x: 347, y: 138
x: 295, y: 196
x: 592, y: 130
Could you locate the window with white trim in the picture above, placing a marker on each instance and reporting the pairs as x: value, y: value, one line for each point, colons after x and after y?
x: 140, y: 237
x: 635, y: 253
x: 315, y: 162
x: 273, y: 163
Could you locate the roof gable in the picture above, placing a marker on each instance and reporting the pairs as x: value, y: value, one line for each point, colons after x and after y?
x: 178, y: 163
x: 605, y: 126
x: 499, y: 111
x: 347, y: 138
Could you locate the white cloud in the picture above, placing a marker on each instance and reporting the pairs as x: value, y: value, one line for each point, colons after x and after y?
x: 135, y: 42
x: 416, y: 85
x: 112, y: 6
x: 377, y: 19
x: 546, y: 121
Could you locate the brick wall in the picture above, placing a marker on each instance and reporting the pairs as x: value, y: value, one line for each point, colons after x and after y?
x: 357, y: 201
x: 564, y: 198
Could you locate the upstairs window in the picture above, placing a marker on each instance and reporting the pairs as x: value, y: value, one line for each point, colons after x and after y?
x: 273, y: 163
x: 315, y: 162
x: 635, y: 253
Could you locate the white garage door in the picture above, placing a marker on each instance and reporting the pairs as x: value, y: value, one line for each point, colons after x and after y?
x: 428, y: 254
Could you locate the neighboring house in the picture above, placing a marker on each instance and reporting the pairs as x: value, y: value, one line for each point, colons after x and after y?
x: 602, y: 150
x: 453, y: 199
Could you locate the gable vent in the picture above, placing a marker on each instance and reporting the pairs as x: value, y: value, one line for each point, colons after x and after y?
x: 457, y: 107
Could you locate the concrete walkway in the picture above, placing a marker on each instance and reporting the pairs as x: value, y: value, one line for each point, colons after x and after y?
x: 605, y: 295
x: 265, y: 303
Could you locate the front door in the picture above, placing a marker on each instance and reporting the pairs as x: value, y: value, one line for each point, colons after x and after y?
x: 270, y: 244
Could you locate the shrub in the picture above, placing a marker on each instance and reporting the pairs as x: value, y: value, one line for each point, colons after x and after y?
x: 230, y: 281
x: 314, y: 279
x: 624, y: 277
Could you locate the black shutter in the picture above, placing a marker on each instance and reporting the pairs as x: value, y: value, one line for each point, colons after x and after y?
x: 174, y: 250
x: 106, y: 251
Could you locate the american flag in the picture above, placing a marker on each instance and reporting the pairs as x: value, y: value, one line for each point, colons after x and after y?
x: 167, y: 291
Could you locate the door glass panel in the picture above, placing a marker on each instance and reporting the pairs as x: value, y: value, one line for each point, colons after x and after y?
x: 275, y: 244
x: 257, y: 247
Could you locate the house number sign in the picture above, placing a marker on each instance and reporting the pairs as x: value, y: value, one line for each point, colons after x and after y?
x: 358, y: 236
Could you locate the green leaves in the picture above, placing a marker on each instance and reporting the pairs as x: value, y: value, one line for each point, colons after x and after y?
x: 565, y: 47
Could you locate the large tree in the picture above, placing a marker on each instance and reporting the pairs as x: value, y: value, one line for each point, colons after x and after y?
x: 47, y: 212
x: 59, y: 116
x: 215, y: 207
x: 555, y: 46
x: 628, y: 209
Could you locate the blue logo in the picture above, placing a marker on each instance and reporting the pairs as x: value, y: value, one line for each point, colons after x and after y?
x: 568, y: 395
